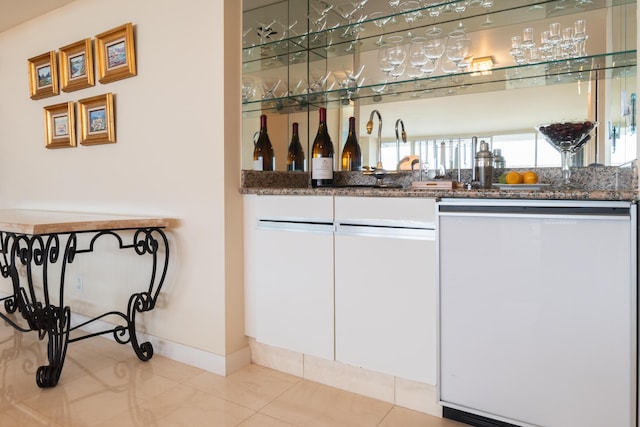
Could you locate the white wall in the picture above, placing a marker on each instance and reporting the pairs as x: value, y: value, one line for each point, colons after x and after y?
x: 171, y: 157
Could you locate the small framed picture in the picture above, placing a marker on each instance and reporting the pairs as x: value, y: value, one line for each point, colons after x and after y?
x: 59, y: 124
x: 76, y: 66
x: 97, y: 120
x: 116, y: 54
x: 43, y: 75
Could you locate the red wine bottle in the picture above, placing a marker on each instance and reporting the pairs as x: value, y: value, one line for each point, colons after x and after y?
x: 322, y: 155
x: 295, y: 154
x: 263, y: 158
x: 351, y: 154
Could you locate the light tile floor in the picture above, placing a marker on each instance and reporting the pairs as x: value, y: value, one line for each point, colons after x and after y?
x: 104, y: 384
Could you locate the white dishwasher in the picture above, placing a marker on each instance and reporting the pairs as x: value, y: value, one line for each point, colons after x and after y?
x: 537, y: 312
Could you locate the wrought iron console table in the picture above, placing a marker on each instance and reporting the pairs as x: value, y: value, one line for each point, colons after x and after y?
x: 32, y: 242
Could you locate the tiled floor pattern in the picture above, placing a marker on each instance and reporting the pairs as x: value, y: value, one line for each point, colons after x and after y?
x: 104, y: 384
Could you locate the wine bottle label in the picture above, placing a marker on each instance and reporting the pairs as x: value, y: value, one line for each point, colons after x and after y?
x: 322, y: 168
x: 257, y: 164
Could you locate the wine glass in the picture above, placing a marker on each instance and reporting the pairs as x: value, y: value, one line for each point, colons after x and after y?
x: 269, y: 87
x: 457, y: 48
x: 567, y: 138
x: 411, y: 12
x: 394, y: 5
x: 417, y: 52
x: 434, y: 48
x: 248, y: 89
x: 450, y: 68
x: 379, y: 88
x: 435, y: 8
x: 459, y: 8
x: 487, y: 4
x: 580, y: 37
x: 265, y: 29
x: 379, y: 19
x: 383, y: 60
x: 396, y: 51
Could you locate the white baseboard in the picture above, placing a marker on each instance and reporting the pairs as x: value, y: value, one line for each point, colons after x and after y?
x: 221, y: 365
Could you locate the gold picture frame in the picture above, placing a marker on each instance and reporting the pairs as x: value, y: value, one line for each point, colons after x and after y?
x: 97, y: 120
x: 60, y: 125
x: 43, y: 75
x: 76, y: 66
x: 116, y: 54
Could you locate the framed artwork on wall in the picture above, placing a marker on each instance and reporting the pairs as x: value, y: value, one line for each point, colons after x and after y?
x: 43, y: 75
x: 116, y: 54
x: 97, y: 120
x: 76, y: 66
x: 59, y: 124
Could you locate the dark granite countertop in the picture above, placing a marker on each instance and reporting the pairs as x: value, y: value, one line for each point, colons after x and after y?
x: 545, y: 194
x: 601, y: 183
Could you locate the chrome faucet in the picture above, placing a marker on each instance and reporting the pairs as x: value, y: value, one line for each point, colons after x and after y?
x: 369, y: 129
x: 404, y: 139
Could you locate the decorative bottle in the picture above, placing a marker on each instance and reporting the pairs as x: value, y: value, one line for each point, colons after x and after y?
x: 351, y: 154
x: 263, y: 157
x: 295, y: 154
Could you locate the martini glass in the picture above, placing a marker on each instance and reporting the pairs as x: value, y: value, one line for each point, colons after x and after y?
x: 567, y: 138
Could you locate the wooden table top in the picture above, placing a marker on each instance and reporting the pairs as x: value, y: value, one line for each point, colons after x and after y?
x: 27, y: 221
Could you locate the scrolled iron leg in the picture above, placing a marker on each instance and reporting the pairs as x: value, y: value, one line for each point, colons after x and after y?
x: 56, y: 322
x: 137, y: 303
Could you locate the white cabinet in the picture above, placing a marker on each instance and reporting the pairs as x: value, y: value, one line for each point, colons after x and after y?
x: 289, y: 272
x: 385, y: 285
x: 376, y: 254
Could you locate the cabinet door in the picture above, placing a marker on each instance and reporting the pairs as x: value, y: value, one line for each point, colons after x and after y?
x: 386, y: 289
x: 386, y: 305
x: 292, y: 273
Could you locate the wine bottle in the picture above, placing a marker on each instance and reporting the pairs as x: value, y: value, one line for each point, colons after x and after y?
x: 351, y: 154
x: 322, y: 155
x: 295, y: 154
x: 263, y: 158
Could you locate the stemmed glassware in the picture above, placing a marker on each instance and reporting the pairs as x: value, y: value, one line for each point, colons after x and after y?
x: 379, y: 19
x: 265, y: 28
x: 556, y: 43
x: 417, y: 58
x: 411, y: 12
x: 417, y: 52
x: 396, y: 51
x: 248, y: 89
x: 568, y: 138
x: 459, y: 8
x: 457, y: 48
x: 383, y: 61
x: 580, y: 37
x: 269, y: 87
x: 435, y: 8
x: 434, y: 48
x: 487, y: 4
x: 394, y: 5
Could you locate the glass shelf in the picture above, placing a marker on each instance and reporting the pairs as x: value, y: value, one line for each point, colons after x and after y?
x: 505, y: 78
x: 344, y: 39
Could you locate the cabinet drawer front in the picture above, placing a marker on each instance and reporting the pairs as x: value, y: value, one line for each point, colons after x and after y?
x: 403, y: 209
x: 313, y: 208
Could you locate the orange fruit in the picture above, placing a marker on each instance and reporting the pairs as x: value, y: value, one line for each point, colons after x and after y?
x: 530, y: 177
x: 513, y: 177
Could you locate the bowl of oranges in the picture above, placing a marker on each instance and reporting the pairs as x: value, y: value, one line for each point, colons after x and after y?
x: 526, y: 180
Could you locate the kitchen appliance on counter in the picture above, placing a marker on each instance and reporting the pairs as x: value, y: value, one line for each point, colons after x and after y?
x: 537, y: 310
